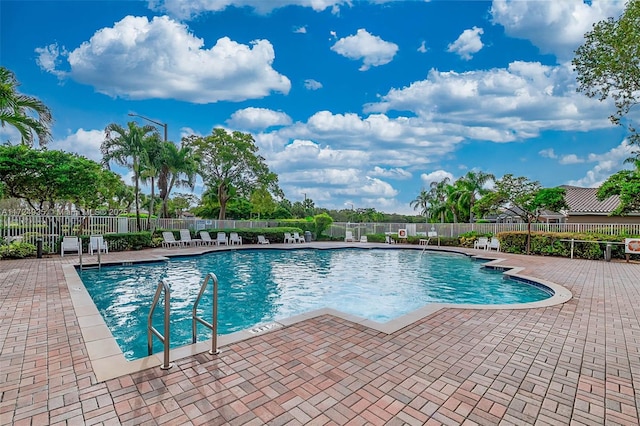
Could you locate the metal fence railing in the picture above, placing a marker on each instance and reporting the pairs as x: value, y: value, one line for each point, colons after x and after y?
x: 52, y: 228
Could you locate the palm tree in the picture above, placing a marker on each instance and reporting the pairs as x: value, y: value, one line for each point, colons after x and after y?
x: 179, y: 167
x: 20, y: 111
x: 438, y: 194
x: 151, y: 166
x: 472, y: 185
x: 126, y: 147
x: 422, y: 201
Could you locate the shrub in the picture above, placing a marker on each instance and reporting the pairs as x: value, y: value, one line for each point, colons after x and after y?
x: 17, y: 250
x: 322, y: 222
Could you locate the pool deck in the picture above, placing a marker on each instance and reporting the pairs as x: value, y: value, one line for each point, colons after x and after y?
x: 577, y: 362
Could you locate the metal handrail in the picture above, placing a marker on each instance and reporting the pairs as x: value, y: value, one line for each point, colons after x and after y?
x: 195, y: 319
x: 152, y: 330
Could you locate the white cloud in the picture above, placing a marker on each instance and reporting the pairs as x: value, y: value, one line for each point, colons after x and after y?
x: 371, y: 49
x: 258, y: 118
x: 548, y: 153
x: 555, y: 27
x: 570, y: 159
x: 607, y: 164
x: 300, y: 30
x: 392, y: 173
x: 468, y: 43
x: 161, y: 59
x: 84, y: 142
x: 423, y: 47
x: 187, y: 9
x: 500, y: 105
x: 435, y: 176
x: 311, y: 84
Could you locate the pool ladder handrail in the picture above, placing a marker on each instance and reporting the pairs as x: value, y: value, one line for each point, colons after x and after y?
x: 162, y: 285
x: 195, y: 319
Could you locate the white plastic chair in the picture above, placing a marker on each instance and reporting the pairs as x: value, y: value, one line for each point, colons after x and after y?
x: 169, y: 240
x: 297, y: 238
x: 70, y: 243
x: 363, y: 239
x: 98, y: 244
x: 205, y: 239
x: 222, y: 239
x: 185, y: 237
x: 234, y: 238
x: 288, y: 238
x: 494, y: 244
x: 262, y: 240
x: 482, y: 243
x: 348, y: 236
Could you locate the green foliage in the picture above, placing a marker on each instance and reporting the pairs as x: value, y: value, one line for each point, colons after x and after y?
x: 625, y: 184
x: 607, y: 64
x: 231, y: 167
x: 17, y: 250
x: 322, y: 223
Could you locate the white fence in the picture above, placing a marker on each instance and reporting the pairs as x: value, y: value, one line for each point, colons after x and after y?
x: 52, y: 228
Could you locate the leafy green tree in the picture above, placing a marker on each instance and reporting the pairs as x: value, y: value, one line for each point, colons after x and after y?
x: 626, y: 185
x: 127, y: 147
x: 230, y: 165
x: 48, y: 177
x: 262, y: 202
x: 608, y: 64
x: 179, y: 170
x: 322, y: 223
x: 438, y: 194
x: 471, y: 187
x: 30, y: 116
x: 523, y: 198
x: 422, y: 202
x: 151, y: 166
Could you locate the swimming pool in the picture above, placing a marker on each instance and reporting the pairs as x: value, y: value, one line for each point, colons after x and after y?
x: 261, y: 286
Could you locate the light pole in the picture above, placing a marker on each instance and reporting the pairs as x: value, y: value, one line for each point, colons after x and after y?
x: 164, y: 125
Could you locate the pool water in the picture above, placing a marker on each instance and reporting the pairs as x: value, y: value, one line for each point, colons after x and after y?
x: 260, y: 286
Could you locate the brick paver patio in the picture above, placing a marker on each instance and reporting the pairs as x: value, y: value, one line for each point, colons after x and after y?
x: 575, y: 363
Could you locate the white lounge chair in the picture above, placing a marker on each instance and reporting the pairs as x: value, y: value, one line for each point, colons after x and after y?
x: 482, y: 243
x: 185, y: 237
x: 348, y: 236
x: 222, y: 239
x: 205, y: 239
x: 297, y: 238
x: 262, y: 240
x: 234, y: 238
x: 288, y: 238
x: 494, y: 244
x: 98, y: 244
x: 169, y: 240
x: 70, y: 244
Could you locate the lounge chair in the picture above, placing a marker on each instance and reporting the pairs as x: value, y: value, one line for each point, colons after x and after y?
x: 262, y: 240
x: 348, y: 236
x: 482, y: 243
x: 169, y: 240
x: 70, y: 244
x: 222, y: 239
x: 185, y: 237
x: 389, y: 239
x: 205, y: 239
x: 97, y: 243
x: 297, y: 238
x: 494, y: 244
x: 234, y: 238
x: 363, y: 239
x: 288, y: 238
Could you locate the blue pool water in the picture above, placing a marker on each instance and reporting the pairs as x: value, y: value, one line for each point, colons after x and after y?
x: 260, y: 286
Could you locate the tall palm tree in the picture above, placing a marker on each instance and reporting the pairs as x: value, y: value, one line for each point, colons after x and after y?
x: 438, y: 194
x: 126, y: 147
x: 472, y: 185
x: 179, y: 168
x: 30, y: 116
x: 151, y: 166
x: 422, y: 202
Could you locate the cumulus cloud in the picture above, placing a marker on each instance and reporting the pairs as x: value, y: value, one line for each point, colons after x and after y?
x: 570, y: 159
x: 187, y: 9
x: 500, y: 105
x: 392, y: 173
x: 606, y: 164
x: 161, y: 59
x: 84, y: 142
x: 468, y: 43
x: 300, y: 30
x: 371, y: 49
x: 423, y: 47
x: 555, y: 27
x: 435, y: 176
x: 311, y: 84
x: 258, y: 118
x: 548, y: 153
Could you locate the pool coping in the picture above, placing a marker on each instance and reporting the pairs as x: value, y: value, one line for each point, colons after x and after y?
x: 108, y: 361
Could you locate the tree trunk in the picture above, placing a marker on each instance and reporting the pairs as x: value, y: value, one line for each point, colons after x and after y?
x: 153, y: 198
x: 528, y: 235
x: 223, y: 197
x: 138, y: 224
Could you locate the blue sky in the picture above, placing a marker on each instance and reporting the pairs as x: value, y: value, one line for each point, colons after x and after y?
x: 357, y: 103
